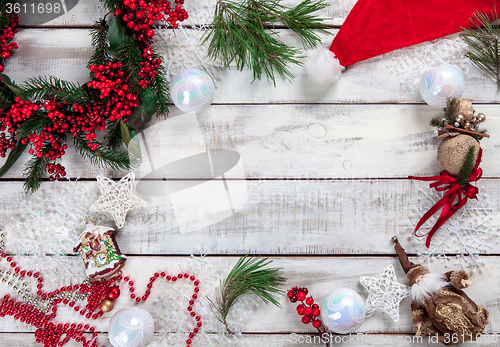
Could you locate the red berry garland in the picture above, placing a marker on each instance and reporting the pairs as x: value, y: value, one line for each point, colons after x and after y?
x: 5, y: 36
x: 50, y: 334
x: 308, y: 309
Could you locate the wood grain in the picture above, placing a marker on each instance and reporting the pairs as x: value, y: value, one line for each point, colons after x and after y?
x: 296, y: 217
x: 319, y: 274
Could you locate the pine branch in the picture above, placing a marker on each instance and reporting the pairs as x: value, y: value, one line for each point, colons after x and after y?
x: 113, y: 137
x: 467, y: 167
x: 131, y: 56
x: 161, y: 85
x: 43, y: 88
x: 6, y: 97
x: 34, y: 124
x: 35, y: 168
x: 4, y: 17
x: 100, y: 42
x: 483, y: 41
x: 105, y: 158
x: 248, y: 276
x: 238, y: 34
x: 437, y: 123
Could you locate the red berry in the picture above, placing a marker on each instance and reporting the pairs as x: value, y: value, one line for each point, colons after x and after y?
x: 301, y: 296
x: 317, y: 324
x: 309, y: 301
x: 306, y: 320
x: 308, y: 311
x: 316, y: 312
x: 289, y: 294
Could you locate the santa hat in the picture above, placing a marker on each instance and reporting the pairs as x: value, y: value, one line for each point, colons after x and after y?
x: 375, y: 27
x: 412, y: 271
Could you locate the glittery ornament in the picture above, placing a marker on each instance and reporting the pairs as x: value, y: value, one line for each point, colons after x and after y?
x: 343, y: 311
x: 452, y: 152
x: 131, y: 327
x: 440, y: 83
x: 192, y: 90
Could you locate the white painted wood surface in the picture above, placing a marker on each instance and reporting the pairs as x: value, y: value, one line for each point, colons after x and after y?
x: 325, y: 171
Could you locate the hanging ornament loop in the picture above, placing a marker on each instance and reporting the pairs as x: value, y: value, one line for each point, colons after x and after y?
x: 454, y: 192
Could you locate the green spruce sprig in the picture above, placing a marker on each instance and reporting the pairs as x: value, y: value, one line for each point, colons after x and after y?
x: 131, y: 56
x: 467, y: 167
x: 106, y: 158
x: 163, y: 90
x: 483, y: 41
x: 243, y: 33
x: 100, y: 42
x: 113, y: 137
x: 248, y: 276
x: 35, y: 168
x: 50, y: 87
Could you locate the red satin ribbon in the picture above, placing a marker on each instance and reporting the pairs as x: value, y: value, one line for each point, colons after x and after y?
x: 448, y: 183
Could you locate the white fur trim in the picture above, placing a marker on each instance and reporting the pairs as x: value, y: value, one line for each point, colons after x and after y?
x: 321, y: 65
x: 429, y: 284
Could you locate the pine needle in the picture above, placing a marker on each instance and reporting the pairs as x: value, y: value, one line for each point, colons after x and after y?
x: 466, y: 168
x: 163, y: 91
x: 248, y: 276
x: 106, y: 158
x: 35, y: 168
x: 131, y: 56
x: 483, y: 41
x: 100, y: 42
x: 239, y: 34
x: 50, y: 87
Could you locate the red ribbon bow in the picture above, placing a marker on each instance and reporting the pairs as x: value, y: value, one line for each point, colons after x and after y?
x: 448, y: 183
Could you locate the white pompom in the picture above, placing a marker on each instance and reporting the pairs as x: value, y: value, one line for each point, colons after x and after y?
x: 321, y: 65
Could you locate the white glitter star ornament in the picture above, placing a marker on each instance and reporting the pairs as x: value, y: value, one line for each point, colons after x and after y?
x: 117, y: 198
x: 384, y: 293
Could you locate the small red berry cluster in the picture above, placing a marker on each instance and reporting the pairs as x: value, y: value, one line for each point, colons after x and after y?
x: 146, y: 294
x: 51, y: 334
x: 5, y: 37
x: 11, y: 120
x: 308, y: 309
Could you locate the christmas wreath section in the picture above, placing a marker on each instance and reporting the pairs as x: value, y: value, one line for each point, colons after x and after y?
x: 127, y: 86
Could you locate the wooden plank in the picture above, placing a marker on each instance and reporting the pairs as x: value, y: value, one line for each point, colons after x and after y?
x: 319, y: 274
x: 299, y: 141
x: 64, y: 53
x: 279, y: 340
x: 86, y: 12
x: 285, y: 217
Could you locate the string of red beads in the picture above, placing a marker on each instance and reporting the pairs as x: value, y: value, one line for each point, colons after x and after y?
x: 51, y: 335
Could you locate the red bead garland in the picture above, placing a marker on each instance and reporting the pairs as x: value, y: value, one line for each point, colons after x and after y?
x: 51, y: 335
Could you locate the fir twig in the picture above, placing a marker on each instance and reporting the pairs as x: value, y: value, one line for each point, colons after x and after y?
x: 100, y: 42
x: 467, y: 167
x: 113, y: 137
x: 112, y: 4
x: 34, y: 124
x: 6, y: 97
x: 248, y: 276
x: 50, y: 87
x: 106, y: 158
x: 483, y: 41
x: 131, y: 56
x: 239, y: 34
x: 161, y: 85
x: 35, y: 168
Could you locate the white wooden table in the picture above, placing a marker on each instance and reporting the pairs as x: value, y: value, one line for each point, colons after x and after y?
x: 326, y: 174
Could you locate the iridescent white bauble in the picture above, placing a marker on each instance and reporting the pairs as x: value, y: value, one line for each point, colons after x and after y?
x: 343, y: 311
x: 444, y: 81
x: 192, y: 90
x: 131, y: 327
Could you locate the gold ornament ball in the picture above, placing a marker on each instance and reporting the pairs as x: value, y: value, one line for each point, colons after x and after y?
x: 480, y: 118
x: 452, y: 152
x: 459, y: 118
x: 107, y: 305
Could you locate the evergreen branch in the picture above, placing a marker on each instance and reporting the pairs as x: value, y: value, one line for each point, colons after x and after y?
x: 483, y: 42
x: 437, y: 123
x: 35, y: 168
x: 131, y: 56
x: 113, y: 137
x: 4, y: 17
x: 34, y: 124
x: 161, y: 85
x: 238, y: 34
x: 6, y: 97
x: 105, y: 158
x: 467, y: 167
x: 248, y: 276
x: 43, y: 88
x: 100, y: 42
